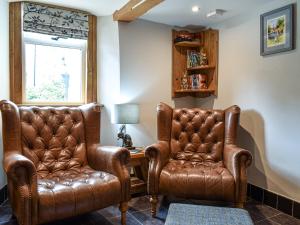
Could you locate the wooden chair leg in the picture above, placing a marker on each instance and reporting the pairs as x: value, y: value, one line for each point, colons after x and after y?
x: 123, y: 208
x: 239, y: 205
x: 153, y: 201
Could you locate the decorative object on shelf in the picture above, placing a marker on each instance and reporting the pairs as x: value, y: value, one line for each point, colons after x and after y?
x: 125, y: 114
x: 203, y: 81
x: 183, y: 36
x: 193, y: 58
x: 195, y: 82
x: 184, y: 82
x: 203, y: 58
x: 197, y: 37
x: 277, y: 30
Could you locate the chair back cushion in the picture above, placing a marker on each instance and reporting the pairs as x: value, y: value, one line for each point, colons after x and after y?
x: 53, y: 138
x: 197, y: 135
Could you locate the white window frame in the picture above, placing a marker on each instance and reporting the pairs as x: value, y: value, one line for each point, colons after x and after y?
x: 62, y: 43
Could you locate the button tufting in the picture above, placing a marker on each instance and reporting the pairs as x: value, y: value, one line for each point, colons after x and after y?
x: 49, y: 185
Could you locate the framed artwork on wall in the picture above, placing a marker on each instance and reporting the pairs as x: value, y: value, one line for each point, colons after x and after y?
x: 277, y: 30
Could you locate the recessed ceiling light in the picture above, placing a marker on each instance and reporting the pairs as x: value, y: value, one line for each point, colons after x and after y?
x: 195, y: 8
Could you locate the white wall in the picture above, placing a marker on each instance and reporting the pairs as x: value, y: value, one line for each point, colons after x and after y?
x: 108, y: 73
x: 144, y: 72
x: 267, y: 90
x: 4, y: 71
x: 145, y: 57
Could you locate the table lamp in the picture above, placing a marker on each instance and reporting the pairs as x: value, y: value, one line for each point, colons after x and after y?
x: 125, y: 114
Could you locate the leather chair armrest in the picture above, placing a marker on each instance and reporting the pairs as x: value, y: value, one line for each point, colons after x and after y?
x: 236, y: 160
x: 113, y: 160
x: 21, y: 173
x: 18, y: 167
x: 158, y: 155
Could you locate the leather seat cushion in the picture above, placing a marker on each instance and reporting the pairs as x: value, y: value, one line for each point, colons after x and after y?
x: 72, y: 192
x: 199, y: 180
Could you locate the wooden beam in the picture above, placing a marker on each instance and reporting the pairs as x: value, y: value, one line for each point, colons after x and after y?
x: 91, y: 88
x: 15, y: 52
x: 134, y: 9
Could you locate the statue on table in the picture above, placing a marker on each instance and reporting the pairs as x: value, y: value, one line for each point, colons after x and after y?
x: 127, y: 141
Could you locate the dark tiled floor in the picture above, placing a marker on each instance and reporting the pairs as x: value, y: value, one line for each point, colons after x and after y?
x: 139, y: 213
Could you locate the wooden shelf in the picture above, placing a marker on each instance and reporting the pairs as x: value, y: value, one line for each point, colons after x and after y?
x: 209, y: 42
x: 192, y: 44
x: 195, y: 90
x: 201, y: 68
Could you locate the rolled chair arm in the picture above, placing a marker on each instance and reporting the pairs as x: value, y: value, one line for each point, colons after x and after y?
x: 21, y: 172
x: 235, y: 157
x: 236, y: 160
x: 158, y: 155
x: 18, y: 167
x: 113, y: 160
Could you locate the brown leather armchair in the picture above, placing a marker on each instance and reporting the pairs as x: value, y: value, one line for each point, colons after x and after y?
x: 196, y: 156
x: 55, y: 165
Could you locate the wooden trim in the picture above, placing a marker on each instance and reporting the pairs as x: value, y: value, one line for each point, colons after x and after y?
x: 91, y: 90
x: 134, y: 9
x: 15, y: 51
x: 58, y: 7
x: 15, y: 56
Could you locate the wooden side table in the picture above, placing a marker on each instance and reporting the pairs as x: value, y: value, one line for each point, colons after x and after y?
x: 140, y: 165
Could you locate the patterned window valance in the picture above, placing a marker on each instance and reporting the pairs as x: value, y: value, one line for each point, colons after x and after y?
x: 54, y: 21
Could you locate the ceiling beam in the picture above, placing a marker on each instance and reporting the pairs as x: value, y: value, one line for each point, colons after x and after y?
x: 134, y: 9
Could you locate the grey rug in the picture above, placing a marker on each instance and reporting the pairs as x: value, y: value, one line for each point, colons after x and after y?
x: 186, y: 214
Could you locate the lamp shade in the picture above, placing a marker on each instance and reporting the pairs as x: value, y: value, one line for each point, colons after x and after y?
x: 126, y: 114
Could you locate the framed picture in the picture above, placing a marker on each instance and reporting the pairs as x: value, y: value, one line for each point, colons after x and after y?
x: 277, y: 30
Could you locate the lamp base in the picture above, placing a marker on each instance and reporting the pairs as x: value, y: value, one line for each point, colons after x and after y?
x: 126, y: 139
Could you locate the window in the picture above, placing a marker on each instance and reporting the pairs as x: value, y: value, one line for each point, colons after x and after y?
x: 54, y: 69
x: 53, y: 57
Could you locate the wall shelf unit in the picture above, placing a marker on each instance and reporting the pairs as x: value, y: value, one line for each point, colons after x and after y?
x: 208, y: 40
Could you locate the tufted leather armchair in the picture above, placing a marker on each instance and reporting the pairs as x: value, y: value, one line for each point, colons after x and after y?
x: 196, y: 156
x: 55, y: 165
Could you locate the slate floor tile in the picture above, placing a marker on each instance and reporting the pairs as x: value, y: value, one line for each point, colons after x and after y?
x: 140, y: 203
x: 266, y: 222
x: 139, y: 213
x: 285, y: 219
x: 130, y: 220
x: 111, y: 211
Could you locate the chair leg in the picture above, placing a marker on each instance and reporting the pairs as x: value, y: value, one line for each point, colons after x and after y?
x: 153, y: 201
x: 239, y: 205
x: 123, y: 208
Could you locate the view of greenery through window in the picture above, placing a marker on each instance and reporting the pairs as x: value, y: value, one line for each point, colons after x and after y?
x: 53, y: 72
x: 54, y: 90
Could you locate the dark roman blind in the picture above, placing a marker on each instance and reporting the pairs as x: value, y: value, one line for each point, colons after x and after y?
x: 55, y: 21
